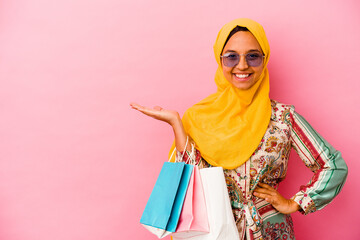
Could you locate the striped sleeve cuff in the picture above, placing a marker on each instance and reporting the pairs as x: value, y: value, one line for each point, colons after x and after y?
x: 305, y: 202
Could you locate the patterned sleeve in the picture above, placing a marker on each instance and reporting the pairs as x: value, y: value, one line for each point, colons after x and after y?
x: 330, y: 170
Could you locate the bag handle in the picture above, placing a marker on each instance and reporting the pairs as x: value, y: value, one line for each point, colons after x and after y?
x: 192, y: 154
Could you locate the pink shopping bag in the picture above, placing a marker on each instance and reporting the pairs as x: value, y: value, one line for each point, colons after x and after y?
x: 221, y: 220
x: 193, y: 220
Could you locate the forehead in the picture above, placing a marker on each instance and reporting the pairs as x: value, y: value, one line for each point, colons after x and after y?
x: 242, y: 42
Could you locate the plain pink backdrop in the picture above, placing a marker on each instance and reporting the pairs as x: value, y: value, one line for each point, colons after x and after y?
x: 76, y: 163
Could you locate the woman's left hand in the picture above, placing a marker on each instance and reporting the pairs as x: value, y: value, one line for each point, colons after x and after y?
x: 283, y: 205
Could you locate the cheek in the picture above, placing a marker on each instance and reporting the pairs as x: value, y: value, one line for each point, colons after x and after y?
x: 258, y: 73
x: 226, y: 70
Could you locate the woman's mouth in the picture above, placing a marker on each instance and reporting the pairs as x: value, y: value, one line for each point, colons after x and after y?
x: 242, y: 77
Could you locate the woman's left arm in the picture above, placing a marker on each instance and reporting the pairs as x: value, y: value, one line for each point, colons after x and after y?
x: 329, y: 168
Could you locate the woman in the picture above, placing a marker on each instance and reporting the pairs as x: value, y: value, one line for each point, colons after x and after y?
x: 240, y: 129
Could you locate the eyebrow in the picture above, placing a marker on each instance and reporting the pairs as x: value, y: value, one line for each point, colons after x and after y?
x: 251, y: 50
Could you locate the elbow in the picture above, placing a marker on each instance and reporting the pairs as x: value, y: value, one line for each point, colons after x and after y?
x: 341, y: 165
x: 345, y: 170
x: 342, y: 172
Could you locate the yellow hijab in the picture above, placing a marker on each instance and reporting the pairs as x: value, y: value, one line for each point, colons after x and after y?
x: 228, y: 125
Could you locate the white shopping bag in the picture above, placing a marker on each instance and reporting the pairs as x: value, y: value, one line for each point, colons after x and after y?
x: 221, y: 219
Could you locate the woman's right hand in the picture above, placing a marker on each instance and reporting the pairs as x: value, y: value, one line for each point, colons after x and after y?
x: 172, y: 118
x: 169, y: 116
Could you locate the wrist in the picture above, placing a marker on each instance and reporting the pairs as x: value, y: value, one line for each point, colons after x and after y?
x: 176, y: 121
x: 294, y: 206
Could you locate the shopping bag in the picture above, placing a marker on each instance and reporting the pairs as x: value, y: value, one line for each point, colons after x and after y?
x: 162, y: 211
x: 193, y: 219
x: 221, y: 219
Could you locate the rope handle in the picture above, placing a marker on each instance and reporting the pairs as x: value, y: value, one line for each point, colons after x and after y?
x: 191, y: 156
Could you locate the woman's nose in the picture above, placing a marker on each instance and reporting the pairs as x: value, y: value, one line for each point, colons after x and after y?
x: 242, y: 63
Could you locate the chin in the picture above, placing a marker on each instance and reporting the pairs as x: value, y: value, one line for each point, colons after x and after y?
x: 242, y: 86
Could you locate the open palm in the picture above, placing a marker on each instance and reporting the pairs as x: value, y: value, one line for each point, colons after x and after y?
x: 169, y: 116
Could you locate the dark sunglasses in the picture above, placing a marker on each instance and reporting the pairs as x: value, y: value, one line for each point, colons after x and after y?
x: 231, y: 59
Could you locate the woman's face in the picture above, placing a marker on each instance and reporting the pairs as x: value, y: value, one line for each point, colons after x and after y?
x: 242, y: 76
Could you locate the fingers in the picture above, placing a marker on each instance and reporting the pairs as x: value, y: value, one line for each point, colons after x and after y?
x: 140, y: 108
x: 266, y: 192
x: 272, y: 196
x: 157, y: 112
x: 261, y: 195
x: 266, y: 186
x: 136, y: 106
x: 148, y: 111
x: 168, y: 116
x: 145, y: 109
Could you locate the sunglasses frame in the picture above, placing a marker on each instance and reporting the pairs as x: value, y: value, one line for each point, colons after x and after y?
x: 244, y: 54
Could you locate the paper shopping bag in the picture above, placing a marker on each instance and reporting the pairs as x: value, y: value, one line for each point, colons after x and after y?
x: 193, y: 218
x: 162, y: 211
x: 221, y: 219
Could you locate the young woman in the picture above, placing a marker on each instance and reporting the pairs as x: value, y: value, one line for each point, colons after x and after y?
x: 242, y: 130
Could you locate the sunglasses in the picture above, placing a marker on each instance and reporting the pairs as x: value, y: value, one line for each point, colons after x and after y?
x: 231, y: 59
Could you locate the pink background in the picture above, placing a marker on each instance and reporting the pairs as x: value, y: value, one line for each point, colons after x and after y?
x: 76, y: 163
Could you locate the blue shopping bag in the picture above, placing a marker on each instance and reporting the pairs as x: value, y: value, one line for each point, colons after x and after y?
x: 162, y: 211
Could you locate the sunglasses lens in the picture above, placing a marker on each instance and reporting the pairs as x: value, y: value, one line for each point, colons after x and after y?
x: 231, y: 60
x: 254, y: 59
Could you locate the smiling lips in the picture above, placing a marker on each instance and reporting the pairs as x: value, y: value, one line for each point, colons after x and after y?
x: 242, y: 76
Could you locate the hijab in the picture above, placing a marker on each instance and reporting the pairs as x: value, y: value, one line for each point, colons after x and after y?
x: 227, y: 126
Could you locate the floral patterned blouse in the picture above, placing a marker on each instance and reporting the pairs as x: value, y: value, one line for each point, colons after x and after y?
x: 257, y: 219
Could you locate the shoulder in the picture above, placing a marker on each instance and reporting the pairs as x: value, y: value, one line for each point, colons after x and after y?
x: 281, y: 112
